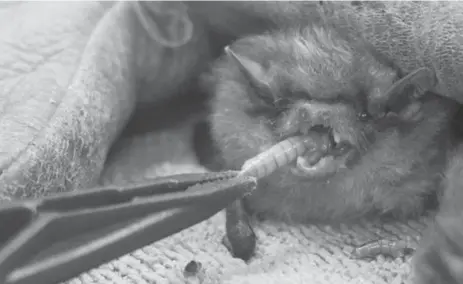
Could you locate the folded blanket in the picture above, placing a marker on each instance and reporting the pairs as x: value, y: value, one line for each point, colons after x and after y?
x: 285, y: 254
x: 70, y: 78
x: 56, y: 128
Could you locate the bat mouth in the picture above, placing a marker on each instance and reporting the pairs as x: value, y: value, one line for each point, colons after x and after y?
x: 338, y: 154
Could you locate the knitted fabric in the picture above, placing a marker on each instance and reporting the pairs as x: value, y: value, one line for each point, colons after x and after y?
x: 285, y: 254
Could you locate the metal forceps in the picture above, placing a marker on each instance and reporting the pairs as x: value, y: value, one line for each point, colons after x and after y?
x: 52, y: 239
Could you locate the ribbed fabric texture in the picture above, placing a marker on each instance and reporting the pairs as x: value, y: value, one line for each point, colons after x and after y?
x: 285, y: 254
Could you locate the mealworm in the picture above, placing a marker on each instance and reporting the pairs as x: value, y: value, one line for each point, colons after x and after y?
x: 389, y: 248
x: 280, y: 155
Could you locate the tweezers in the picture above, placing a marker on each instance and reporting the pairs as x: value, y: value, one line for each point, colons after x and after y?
x: 53, y: 239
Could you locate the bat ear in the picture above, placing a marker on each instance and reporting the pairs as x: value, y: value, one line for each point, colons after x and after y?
x: 254, y: 71
x: 422, y: 80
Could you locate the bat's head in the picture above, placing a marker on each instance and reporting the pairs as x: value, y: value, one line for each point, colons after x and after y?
x: 387, y: 147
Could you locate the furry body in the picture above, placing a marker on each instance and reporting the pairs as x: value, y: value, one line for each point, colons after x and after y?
x: 402, y: 162
x: 439, y: 257
x: 407, y: 34
x: 312, y: 67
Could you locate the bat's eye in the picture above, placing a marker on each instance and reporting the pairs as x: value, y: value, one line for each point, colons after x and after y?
x: 363, y: 116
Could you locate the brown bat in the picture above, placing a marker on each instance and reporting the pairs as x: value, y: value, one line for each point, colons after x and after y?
x: 410, y: 35
x: 387, y: 149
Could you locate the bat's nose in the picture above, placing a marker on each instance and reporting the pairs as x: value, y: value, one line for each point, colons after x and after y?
x: 340, y: 119
x: 314, y: 114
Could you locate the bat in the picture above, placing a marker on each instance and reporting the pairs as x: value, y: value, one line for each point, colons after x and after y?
x: 382, y: 160
x: 419, y: 40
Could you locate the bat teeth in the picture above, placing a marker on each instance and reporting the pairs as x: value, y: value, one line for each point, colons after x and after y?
x: 310, y: 159
x: 336, y: 137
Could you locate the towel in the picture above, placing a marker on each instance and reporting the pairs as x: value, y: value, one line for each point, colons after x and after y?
x: 70, y: 78
x: 285, y: 253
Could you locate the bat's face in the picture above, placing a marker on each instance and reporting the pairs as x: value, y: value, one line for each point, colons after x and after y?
x: 381, y: 159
